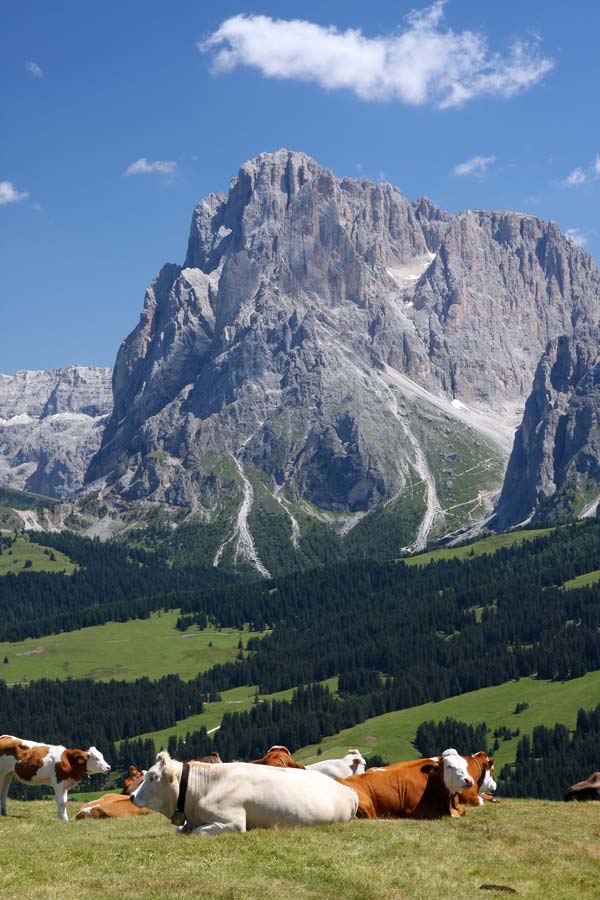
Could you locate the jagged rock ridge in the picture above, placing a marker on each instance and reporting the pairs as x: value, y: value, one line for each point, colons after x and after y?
x: 554, y: 469
x: 51, y: 424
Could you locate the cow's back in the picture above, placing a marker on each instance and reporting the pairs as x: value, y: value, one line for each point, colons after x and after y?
x: 402, y: 790
x: 268, y: 795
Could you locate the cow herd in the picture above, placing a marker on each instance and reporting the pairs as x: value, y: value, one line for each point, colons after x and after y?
x: 208, y: 796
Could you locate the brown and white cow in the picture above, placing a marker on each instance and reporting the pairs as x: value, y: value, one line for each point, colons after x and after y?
x: 585, y: 790
x: 279, y: 756
x: 481, y: 769
x: 132, y: 781
x: 417, y: 789
x: 111, y: 806
x: 34, y: 763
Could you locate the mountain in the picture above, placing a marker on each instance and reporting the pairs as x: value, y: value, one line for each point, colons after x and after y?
x: 554, y: 469
x: 51, y: 424
x: 332, y: 358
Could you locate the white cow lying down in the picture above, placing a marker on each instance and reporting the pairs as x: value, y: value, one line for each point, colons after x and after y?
x: 237, y: 796
x: 351, y: 764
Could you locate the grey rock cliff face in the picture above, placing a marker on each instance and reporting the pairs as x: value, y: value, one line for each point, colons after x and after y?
x: 51, y: 424
x: 341, y: 342
x: 554, y: 469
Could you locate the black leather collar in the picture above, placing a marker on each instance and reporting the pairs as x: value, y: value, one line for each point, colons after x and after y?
x: 178, y: 817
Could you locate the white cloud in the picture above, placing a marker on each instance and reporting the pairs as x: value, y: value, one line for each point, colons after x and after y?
x: 576, y: 177
x: 422, y: 62
x: 34, y: 69
x: 9, y: 194
x: 478, y: 165
x: 159, y: 166
x: 577, y: 236
x: 582, y: 174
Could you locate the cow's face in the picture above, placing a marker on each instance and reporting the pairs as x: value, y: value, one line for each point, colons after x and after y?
x: 356, y: 762
x: 456, y: 773
x: 488, y: 779
x: 95, y: 763
x: 159, y: 789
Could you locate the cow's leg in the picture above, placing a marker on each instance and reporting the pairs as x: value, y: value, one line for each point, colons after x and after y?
x: 4, y: 792
x: 61, y: 801
x: 236, y: 826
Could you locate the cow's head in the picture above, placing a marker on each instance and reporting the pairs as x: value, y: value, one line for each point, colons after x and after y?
x: 456, y: 772
x: 356, y: 762
x: 280, y: 756
x: 483, y: 771
x: 159, y: 789
x: 453, y: 770
x: 95, y: 764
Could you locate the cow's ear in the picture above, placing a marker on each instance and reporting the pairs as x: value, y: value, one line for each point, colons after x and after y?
x: 430, y: 768
x: 81, y: 759
x: 492, y: 762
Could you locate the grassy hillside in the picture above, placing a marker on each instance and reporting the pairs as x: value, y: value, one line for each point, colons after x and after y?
x: 583, y: 580
x: 236, y: 700
x: 124, y: 650
x: 14, y: 558
x: 486, y: 545
x: 391, y: 735
x: 505, y: 845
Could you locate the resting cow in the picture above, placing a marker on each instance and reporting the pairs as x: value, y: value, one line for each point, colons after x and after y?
x: 481, y: 768
x: 110, y: 806
x: 238, y: 796
x: 585, y: 790
x: 418, y: 789
x: 34, y: 763
x: 278, y: 756
x: 133, y: 779
x: 351, y: 764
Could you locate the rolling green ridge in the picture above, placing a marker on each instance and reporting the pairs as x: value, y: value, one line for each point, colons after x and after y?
x: 486, y: 545
x: 542, y: 850
x: 232, y: 701
x: 408, y: 643
x: 14, y: 558
x: 25, y: 499
x: 391, y: 735
x: 583, y: 580
x: 125, y: 650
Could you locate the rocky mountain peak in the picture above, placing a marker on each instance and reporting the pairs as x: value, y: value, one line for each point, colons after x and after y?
x: 51, y: 424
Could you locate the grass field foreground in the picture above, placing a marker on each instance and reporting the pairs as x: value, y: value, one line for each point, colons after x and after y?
x: 543, y: 850
x: 127, y: 650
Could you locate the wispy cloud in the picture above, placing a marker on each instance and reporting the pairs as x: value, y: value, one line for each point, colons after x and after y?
x: 478, y: 165
x: 9, y: 193
x: 159, y: 166
x: 577, y: 236
x: 576, y: 177
x: 582, y: 174
x: 34, y: 69
x: 422, y: 62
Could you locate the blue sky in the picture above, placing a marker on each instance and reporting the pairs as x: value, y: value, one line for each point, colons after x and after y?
x: 88, y: 90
